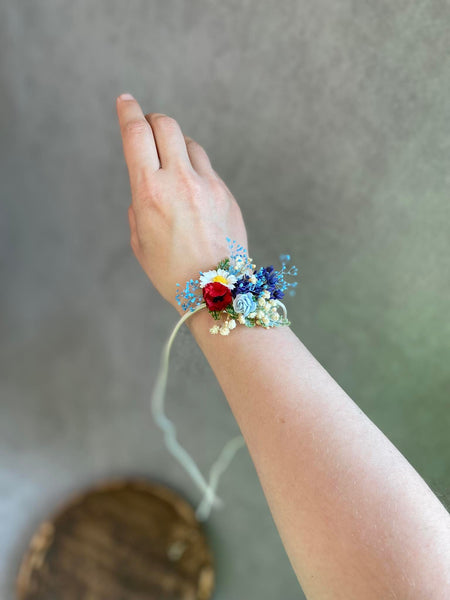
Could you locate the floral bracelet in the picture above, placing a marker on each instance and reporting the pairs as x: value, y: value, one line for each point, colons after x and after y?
x: 239, y: 292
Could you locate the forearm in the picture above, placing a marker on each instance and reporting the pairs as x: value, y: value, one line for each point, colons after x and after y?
x: 356, y: 519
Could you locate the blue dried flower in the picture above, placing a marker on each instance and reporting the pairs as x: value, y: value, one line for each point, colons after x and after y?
x: 245, y: 304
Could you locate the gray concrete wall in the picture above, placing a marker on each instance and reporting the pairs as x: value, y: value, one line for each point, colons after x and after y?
x: 329, y: 121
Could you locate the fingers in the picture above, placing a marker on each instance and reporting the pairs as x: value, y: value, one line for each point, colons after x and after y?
x: 138, y: 142
x: 169, y: 140
x: 198, y: 157
x: 155, y: 140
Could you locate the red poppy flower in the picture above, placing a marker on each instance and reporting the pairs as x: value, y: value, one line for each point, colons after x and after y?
x: 217, y: 296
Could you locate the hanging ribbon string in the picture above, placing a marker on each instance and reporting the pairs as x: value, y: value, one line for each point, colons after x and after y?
x: 170, y: 435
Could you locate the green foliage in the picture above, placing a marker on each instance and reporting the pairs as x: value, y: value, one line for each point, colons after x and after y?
x: 224, y: 264
x: 230, y: 310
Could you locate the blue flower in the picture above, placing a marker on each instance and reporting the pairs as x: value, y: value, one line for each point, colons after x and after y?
x: 270, y: 275
x: 244, y: 303
x: 245, y: 286
x: 277, y: 294
x: 266, y: 278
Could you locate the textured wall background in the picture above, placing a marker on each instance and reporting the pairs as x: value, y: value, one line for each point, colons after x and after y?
x: 329, y: 121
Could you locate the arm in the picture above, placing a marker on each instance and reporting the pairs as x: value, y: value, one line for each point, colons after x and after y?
x: 356, y: 519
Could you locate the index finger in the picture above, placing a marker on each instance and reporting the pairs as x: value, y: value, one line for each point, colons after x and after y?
x: 137, y: 136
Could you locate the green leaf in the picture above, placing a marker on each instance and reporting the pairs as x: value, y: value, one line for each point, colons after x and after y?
x: 230, y: 310
x: 224, y: 264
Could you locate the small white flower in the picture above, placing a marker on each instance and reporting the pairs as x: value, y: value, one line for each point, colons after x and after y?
x: 219, y: 275
x: 224, y: 330
x: 241, y: 319
x: 261, y: 302
x: 265, y: 320
x: 276, y: 317
x: 266, y: 294
x: 252, y: 315
x: 231, y: 324
x: 214, y: 329
x: 253, y: 279
x: 260, y: 315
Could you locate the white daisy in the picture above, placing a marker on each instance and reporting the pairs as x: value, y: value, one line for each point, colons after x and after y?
x: 219, y: 275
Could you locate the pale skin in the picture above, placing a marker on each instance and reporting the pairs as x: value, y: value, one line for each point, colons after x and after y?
x: 356, y: 519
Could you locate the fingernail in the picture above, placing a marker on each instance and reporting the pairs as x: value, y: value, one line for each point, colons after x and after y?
x: 126, y: 97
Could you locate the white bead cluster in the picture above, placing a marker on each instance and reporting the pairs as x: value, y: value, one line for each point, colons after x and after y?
x: 267, y: 311
x: 225, y: 329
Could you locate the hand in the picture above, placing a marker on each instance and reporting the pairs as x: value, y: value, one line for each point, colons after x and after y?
x: 181, y: 210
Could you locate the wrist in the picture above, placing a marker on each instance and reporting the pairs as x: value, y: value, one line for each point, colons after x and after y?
x: 199, y: 323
